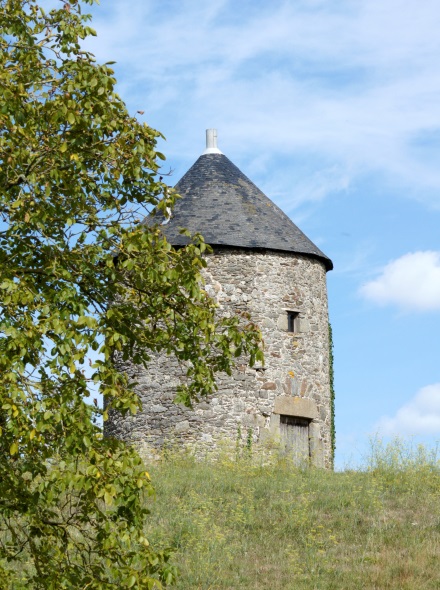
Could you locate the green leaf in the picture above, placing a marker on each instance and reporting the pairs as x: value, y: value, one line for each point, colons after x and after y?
x: 108, y: 498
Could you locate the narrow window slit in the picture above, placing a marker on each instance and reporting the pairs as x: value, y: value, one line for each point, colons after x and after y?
x: 292, y: 317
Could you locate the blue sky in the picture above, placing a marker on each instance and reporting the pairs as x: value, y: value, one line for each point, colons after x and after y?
x: 333, y: 110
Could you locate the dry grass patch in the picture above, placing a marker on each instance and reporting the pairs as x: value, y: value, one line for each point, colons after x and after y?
x: 243, y: 525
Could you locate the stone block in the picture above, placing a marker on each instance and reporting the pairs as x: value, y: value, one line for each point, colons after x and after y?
x: 282, y: 323
x: 302, y: 325
x: 295, y: 406
x: 181, y: 427
x: 157, y: 409
x: 203, y: 406
x: 253, y: 420
x: 287, y: 387
x: 269, y: 385
x: 316, y: 445
x: 247, y: 420
x: 265, y: 435
x: 260, y: 421
x: 274, y: 423
x: 295, y: 387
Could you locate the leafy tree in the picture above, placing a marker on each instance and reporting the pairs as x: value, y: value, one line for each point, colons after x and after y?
x: 79, y: 272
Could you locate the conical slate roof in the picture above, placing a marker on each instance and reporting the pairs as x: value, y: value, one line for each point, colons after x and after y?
x: 222, y: 204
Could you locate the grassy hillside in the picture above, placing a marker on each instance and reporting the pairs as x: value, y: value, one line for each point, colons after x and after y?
x: 239, y: 524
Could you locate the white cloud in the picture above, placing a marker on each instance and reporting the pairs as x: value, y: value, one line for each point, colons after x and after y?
x: 420, y: 416
x: 411, y: 282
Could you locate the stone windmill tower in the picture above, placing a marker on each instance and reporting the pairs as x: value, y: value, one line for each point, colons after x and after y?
x: 262, y: 263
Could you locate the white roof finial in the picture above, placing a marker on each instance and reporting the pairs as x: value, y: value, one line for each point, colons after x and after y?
x: 211, y: 142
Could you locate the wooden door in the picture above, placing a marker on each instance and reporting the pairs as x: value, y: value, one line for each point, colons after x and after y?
x: 294, y: 434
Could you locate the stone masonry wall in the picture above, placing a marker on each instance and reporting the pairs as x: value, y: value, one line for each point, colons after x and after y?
x: 294, y: 380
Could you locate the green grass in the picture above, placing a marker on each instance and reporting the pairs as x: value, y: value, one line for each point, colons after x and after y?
x: 240, y: 524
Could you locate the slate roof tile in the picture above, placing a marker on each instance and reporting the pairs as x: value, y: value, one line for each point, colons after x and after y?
x: 222, y: 204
